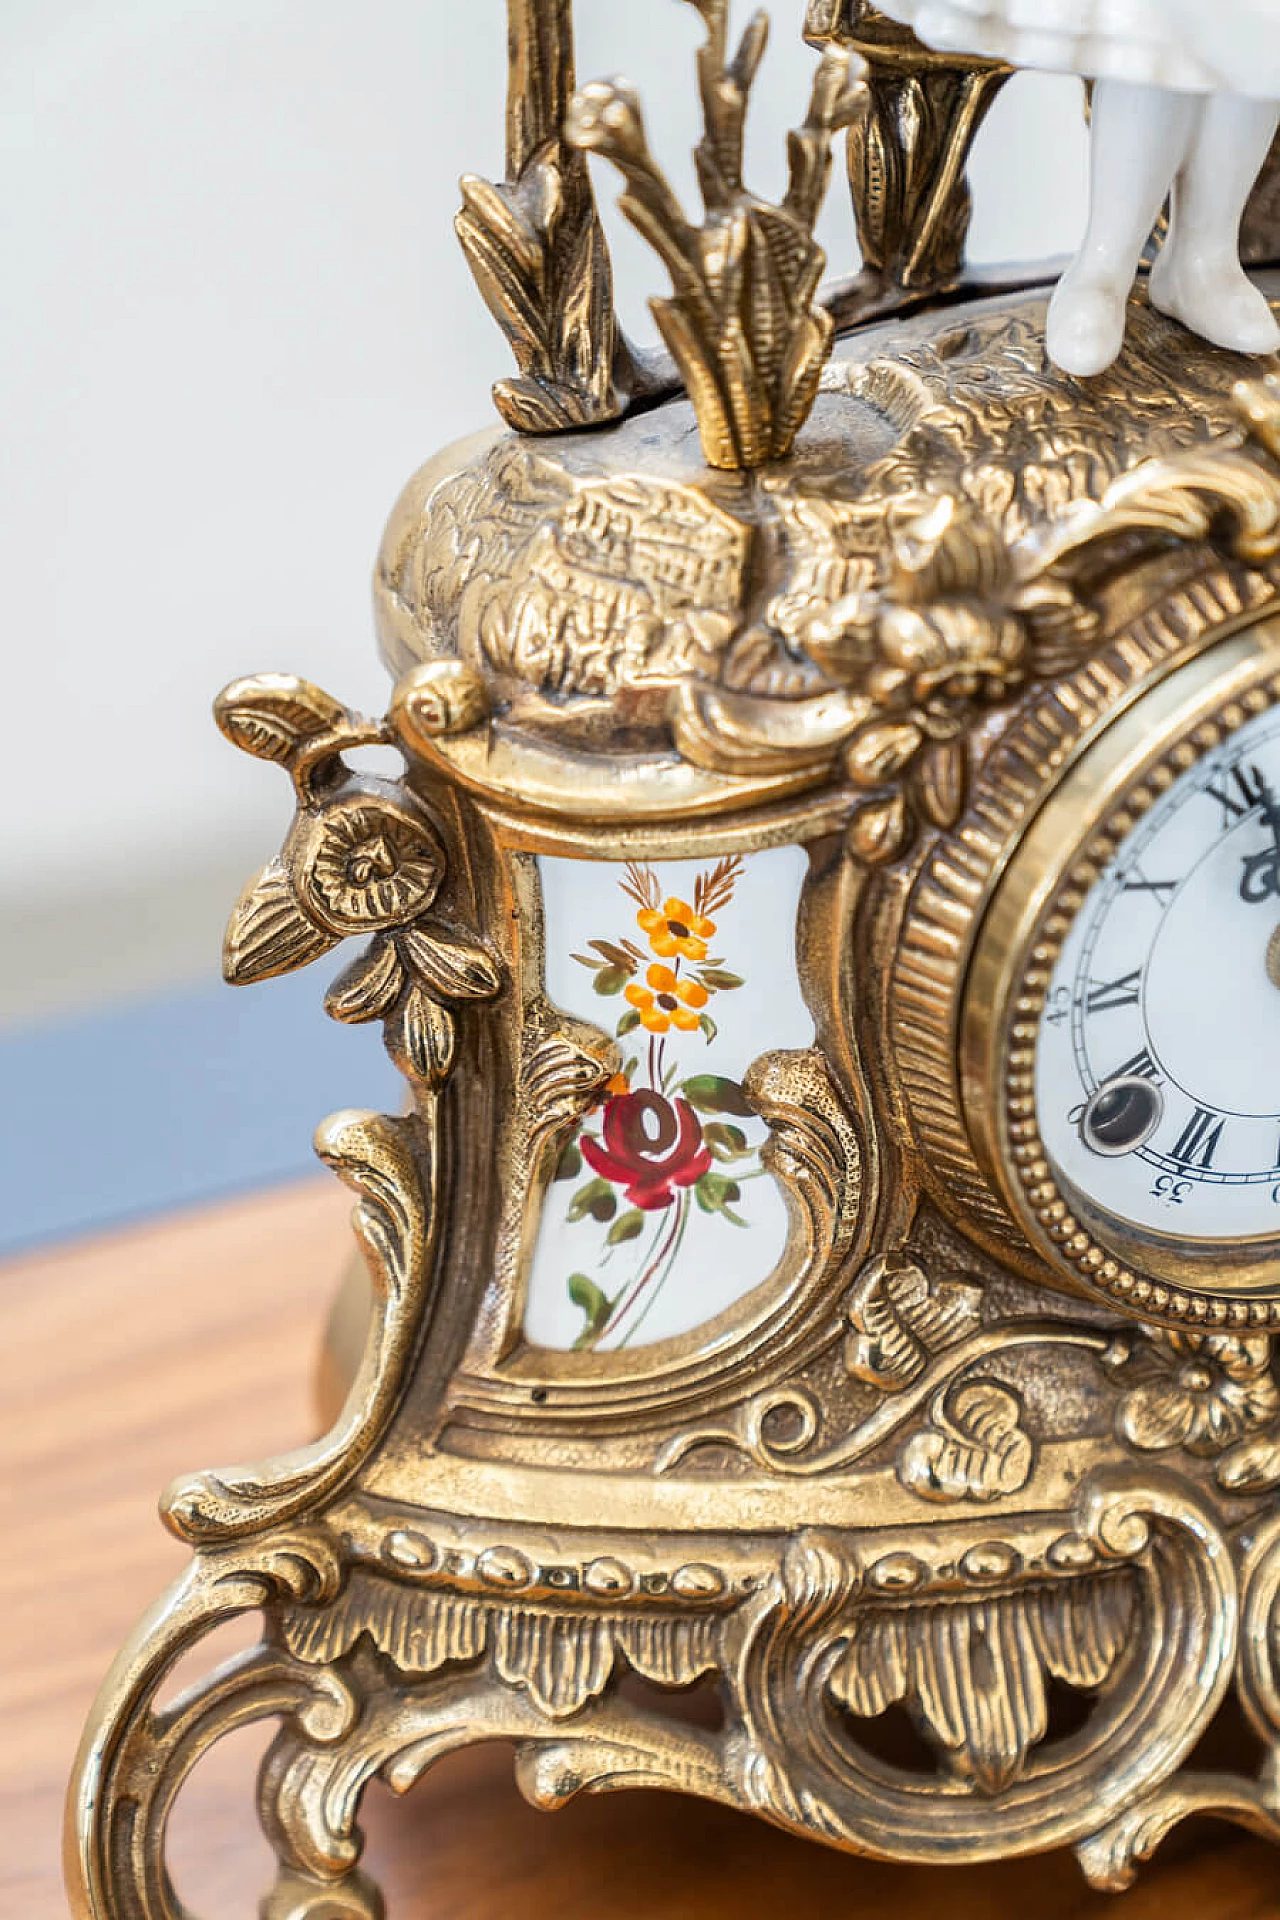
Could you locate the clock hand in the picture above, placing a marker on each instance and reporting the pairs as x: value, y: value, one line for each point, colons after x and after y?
x: 1261, y: 877
x: 1273, y: 958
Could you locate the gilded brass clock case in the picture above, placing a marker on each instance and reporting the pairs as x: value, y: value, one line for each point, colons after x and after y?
x: 891, y: 610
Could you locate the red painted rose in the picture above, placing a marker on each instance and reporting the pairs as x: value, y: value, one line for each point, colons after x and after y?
x: 651, y: 1145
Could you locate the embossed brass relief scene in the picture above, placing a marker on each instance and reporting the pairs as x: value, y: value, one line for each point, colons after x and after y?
x: 827, y: 925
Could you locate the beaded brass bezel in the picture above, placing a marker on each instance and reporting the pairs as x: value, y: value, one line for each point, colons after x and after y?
x: 1186, y: 716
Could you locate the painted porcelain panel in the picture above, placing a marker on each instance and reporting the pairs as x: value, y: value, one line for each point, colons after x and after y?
x: 660, y: 1215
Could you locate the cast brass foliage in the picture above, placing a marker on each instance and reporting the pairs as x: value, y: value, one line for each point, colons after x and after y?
x: 362, y: 857
x: 898, y: 1318
x: 1153, y: 1629
x: 979, y: 1680
x: 391, y: 1166
x: 741, y: 324
x: 536, y: 247
x: 973, y: 1448
x: 827, y: 620
x: 909, y: 150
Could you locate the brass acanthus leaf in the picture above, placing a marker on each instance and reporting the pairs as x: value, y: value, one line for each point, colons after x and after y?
x: 268, y: 934
x: 536, y: 247
x: 898, y: 1319
x: 974, y: 1447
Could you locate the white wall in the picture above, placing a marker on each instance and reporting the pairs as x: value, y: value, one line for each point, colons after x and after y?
x: 234, y: 319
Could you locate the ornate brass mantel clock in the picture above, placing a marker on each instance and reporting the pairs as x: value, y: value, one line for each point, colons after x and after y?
x: 829, y: 925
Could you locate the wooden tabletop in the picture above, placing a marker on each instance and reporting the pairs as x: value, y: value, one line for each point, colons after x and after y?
x: 190, y: 1343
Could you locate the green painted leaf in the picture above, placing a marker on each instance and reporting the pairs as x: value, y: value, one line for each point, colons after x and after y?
x: 710, y: 1093
x: 628, y: 1023
x: 709, y: 1027
x: 725, y: 1141
x: 597, y: 1198
x: 611, y: 979
x: 720, y: 980
x: 715, y: 1192
x: 592, y: 1301
x: 569, y: 1165
x: 627, y: 1226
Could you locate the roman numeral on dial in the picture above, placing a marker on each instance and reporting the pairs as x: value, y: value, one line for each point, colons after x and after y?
x: 1161, y: 891
x: 1238, y: 792
x: 1198, y: 1141
x: 1102, y: 997
x: 1141, y: 1067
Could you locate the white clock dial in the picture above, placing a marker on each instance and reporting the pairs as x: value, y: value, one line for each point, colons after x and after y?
x: 1158, y: 1056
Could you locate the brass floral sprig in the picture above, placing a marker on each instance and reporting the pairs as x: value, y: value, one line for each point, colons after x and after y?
x: 538, y: 253
x: 361, y: 858
x: 1212, y: 1395
x: 741, y: 324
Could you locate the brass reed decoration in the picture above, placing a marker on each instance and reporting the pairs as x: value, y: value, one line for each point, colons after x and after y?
x: 741, y: 326
x: 731, y: 1308
x: 536, y: 247
x: 908, y: 151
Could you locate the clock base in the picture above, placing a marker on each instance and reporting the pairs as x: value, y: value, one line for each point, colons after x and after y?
x: 973, y: 1642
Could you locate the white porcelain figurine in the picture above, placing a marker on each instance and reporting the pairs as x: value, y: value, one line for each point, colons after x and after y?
x: 1185, y: 104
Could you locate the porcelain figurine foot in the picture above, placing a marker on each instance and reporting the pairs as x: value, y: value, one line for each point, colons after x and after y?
x: 1216, y: 299
x: 1085, y: 328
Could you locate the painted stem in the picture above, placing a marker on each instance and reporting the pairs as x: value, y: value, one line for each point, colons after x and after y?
x: 686, y: 1210
x: 662, y: 1257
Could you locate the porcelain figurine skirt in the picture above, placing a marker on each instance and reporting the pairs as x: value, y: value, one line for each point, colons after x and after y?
x: 1232, y: 47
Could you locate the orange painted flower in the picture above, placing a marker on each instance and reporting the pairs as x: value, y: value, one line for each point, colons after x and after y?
x: 677, y: 929
x: 667, y: 1002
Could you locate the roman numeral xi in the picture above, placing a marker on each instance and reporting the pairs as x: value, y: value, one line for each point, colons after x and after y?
x: 1141, y: 1067
x: 1102, y: 997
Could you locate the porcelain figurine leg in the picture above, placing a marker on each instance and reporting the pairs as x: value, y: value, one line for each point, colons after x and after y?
x: 1198, y: 278
x: 1141, y: 137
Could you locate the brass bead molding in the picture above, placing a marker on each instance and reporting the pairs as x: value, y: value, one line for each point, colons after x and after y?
x: 896, y: 612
